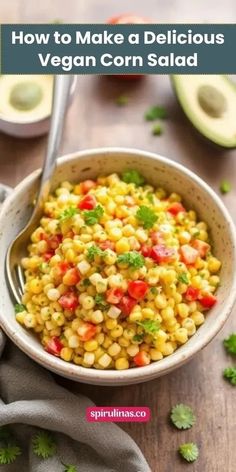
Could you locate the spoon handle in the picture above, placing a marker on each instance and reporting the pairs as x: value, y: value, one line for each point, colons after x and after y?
x: 61, y: 93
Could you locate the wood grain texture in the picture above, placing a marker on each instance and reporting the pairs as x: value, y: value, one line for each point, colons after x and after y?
x: 94, y: 120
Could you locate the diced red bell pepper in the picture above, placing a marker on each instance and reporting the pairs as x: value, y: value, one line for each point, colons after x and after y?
x: 48, y: 255
x: 192, y: 294
x: 141, y: 359
x: 87, y: 185
x: 54, y: 241
x: 201, y: 246
x: 86, y: 331
x: 126, y: 305
x: 54, y: 346
x: 137, y: 289
x: 146, y: 250
x: 161, y: 253
x: 188, y: 254
x: 114, y: 295
x: 107, y: 245
x: 207, y: 301
x: 175, y: 208
x: 71, y: 277
x: 87, y: 203
x: 69, y: 301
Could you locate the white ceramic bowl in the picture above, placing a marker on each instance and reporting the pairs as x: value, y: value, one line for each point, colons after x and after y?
x: 158, y: 171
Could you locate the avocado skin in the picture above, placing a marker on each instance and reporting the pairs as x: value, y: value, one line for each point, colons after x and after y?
x: 198, y: 132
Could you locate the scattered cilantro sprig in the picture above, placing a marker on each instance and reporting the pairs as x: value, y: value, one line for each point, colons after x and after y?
x: 150, y: 326
x: 132, y: 177
x: 182, y: 416
x: 146, y: 216
x: 92, y: 217
x: 19, y: 307
x: 157, y: 129
x: 100, y: 301
x: 138, y: 338
x: 122, y: 100
x: 183, y: 278
x: 230, y: 344
x: 69, y: 468
x: 225, y: 186
x: 68, y: 213
x: 94, y: 251
x: 189, y: 451
x: 132, y: 258
x: 230, y: 375
x: 155, y: 113
x: 44, y: 444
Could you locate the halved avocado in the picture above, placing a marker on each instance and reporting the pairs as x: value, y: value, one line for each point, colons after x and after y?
x: 209, y: 102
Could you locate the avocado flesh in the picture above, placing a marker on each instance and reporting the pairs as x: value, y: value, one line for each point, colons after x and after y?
x: 220, y: 129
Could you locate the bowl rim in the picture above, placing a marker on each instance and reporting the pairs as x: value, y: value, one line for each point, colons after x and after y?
x: 155, y: 369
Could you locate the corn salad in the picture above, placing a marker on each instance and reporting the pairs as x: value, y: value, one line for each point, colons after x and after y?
x: 118, y: 274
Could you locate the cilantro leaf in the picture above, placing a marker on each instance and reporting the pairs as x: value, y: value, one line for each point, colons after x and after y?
x: 138, y: 338
x: 122, y: 100
x: 100, y: 301
x: 150, y: 198
x: 146, y: 216
x: 132, y: 258
x: 182, y: 416
x: 94, y: 251
x: 44, y: 445
x: 68, y: 213
x: 157, y: 130
x: 154, y: 290
x: 19, y: 308
x: 92, y: 217
x: 150, y: 326
x: 230, y: 343
x: 9, y: 454
x: 133, y: 177
x: 183, y: 278
x: 225, y: 186
x: 155, y: 113
x: 86, y: 282
x: 69, y: 468
x: 230, y: 374
x: 189, y: 451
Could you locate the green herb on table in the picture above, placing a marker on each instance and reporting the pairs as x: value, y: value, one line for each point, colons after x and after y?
x: 182, y: 416
x: 230, y: 344
x: 183, y: 278
x: 225, y: 186
x: 156, y: 113
x: 132, y: 177
x: 69, y: 468
x: 157, y: 129
x: 150, y: 326
x: 230, y: 375
x: 146, y: 216
x: 9, y: 454
x: 92, y: 217
x: 122, y: 100
x: 44, y: 445
x: 94, y: 251
x: 68, y: 213
x: 189, y: 451
x: 19, y: 308
x: 132, y: 258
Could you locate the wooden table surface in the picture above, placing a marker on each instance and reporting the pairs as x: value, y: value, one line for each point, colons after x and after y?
x: 95, y: 120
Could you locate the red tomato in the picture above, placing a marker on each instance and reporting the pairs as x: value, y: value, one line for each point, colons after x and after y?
x: 62, y: 267
x: 191, y: 294
x: 107, y: 245
x: 188, y: 254
x: 161, y: 253
x: 175, y: 208
x: 47, y: 255
x: 207, y: 301
x: 157, y: 237
x: 71, y: 277
x: 87, y: 203
x: 54, y: 346
x: 69, y: 301
x: 137, y: 289
x: 141, y: 359
x: 114, y: 295
x: 146, y: 250
x: 54, y: 241
x: 86, y: 331
x: 87, y: 185
x: 201, y: 247
x: 126, y: 305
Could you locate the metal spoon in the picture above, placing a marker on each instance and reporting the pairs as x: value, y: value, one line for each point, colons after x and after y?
x: 17, y: 249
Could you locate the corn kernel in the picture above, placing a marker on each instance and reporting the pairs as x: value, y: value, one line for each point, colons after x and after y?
x: 121, y: 363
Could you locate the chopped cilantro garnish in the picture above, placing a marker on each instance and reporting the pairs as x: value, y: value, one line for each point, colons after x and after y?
x: 150, y: 326
x: 230, y: 343
x: 182, y: 416
x: 138, y: 338
x: 189, y: 451
x: 132, y: 258
x: 92, y: 217
x: 44, y: 445
x: 155, y: 113
x: 94, y: 251
x: 100, y: 301
x: 225, y: 186
x: 122, y: 100
x: 157, y: 129
x: 19, y: 308
x: 146, y: 216
x: 68, y: 213
x: 230, y: 374
x: 154, y: 290
x: 183, y: 278
x: 150, y: 198
x: 133, y: 177
x: 86, y: 282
